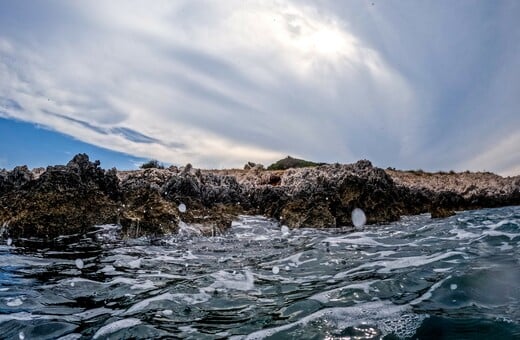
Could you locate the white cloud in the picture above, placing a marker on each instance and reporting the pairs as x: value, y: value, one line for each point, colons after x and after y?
x: 220, y: 83
x: 230, y: 81
x: 501, y: 157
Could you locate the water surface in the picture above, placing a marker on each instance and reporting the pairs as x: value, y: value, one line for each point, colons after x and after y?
x: 418, y: 278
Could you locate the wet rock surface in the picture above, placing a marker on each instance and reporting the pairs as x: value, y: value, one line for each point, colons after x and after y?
x: 72, y: 198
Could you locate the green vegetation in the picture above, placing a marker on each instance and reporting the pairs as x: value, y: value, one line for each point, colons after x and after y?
x: 152, y: 164
x: 289, y: 162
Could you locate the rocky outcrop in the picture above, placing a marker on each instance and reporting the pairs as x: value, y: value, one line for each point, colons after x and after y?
x: 443, y: 193
x: 70, y: 199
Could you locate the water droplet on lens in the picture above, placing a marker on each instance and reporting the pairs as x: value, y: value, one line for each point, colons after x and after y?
x: 276, y: 270
x: 79, y: 263
x: 9, y: 241
x: 182, y: 208
x: 453, y: 286
x: 358, y: 218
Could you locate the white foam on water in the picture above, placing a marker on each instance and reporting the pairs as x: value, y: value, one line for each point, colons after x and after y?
x: 357, y: 239
x: 108, y: 232
x: 187, y: 329
x: 389, y: 318
x: 236, y: 281
x: 384, y: 253
x: 430, y: 291
x: 125, y: 261
x: 13, y: 302
x: 499, y: 224
x: 134, y: 264
x: 414, y: 261
x: 147, y: 285
x: 116, y: 326
x: 21, y: 316
x: 191, y: 299
x: 108, y: 269
x: 295, y: 259
x: 189, y: 256
x: 442, y: 270
x: 189, y: 230
x: 167, y: 312
x: 463, y: 234
x: 496, y: 233
x: 504, y: 246
x: 405, y: 262
x: 325, y: 297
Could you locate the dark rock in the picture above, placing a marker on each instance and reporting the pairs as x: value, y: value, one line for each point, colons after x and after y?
x: 438, y: 212
x: 71, y: 199
x: 63, y: 200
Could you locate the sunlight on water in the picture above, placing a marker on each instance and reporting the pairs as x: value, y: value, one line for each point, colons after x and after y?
x: 260, y: 279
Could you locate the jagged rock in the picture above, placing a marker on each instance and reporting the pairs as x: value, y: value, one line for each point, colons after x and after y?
x: 63, y: 200
x: 72, y: 198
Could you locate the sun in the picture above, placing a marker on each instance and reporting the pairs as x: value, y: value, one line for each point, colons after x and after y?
x: 327, y: 42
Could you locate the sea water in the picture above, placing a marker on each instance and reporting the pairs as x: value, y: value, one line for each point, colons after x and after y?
x: 421, y: 278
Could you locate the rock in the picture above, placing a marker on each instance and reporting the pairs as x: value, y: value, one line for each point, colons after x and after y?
x: 438, y: 212
x: 63, y: 200
x: 71, y: 199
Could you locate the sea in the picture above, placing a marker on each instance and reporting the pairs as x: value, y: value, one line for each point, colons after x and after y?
x: 419, y: 278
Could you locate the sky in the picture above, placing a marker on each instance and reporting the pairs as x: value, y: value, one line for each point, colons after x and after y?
x: 431, y: 85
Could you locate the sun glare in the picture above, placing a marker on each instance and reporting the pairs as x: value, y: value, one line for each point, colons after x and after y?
x: 327, y: 42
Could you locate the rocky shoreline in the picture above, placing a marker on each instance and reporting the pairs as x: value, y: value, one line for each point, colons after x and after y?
x: 71, y: 199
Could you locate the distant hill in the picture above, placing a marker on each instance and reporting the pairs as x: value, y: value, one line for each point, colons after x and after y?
x: 290, y: 162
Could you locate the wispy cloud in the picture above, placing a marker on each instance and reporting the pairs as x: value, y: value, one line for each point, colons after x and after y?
x: 219, y: 83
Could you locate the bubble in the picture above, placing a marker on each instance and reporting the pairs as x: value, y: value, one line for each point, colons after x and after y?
x: 9, y: 241
x: 182, y: 208
x: 21, y: 335
x: 285, y: 230
x: 358, y: 218
x: 72, y: 284
x: 453, y: 286
x: 79, y: 263
x: 276, y: 270
x: 287, y: 268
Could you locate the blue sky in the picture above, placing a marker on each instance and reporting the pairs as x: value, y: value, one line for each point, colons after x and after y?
x: 408, y: 84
